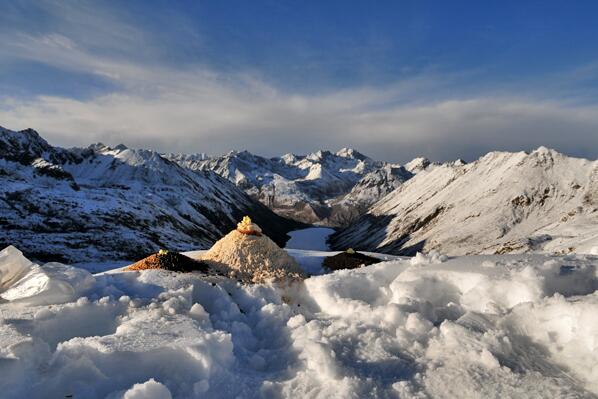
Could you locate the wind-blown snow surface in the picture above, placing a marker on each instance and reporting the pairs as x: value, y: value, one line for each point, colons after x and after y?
x: 482, y: 326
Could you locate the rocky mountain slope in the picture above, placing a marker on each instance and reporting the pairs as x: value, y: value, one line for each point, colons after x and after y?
x: 113, y: 203
x: 502, y: 203
x: 323, y: 187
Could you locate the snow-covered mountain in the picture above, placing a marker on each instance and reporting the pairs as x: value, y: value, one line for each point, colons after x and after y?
x: 368, y: 190
x: 113, y: 203
x: 504, y: 202
x: 321, y: 187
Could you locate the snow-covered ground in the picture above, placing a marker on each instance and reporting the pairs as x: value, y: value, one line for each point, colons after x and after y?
x: 470, y: 327
x: 97, y: 267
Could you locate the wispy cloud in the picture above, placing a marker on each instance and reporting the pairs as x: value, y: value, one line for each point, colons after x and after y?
x: 214, y: 117
x: 194, y: 108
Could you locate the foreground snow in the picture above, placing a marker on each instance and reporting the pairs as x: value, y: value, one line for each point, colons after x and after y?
x: 481, y: 326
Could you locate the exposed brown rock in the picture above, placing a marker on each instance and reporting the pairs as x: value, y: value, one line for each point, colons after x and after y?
x: 348, y: 260
x: 172, y: 261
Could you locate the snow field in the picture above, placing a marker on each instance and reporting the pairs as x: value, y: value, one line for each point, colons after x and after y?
x: 313, y: 238
x: 480, y: 326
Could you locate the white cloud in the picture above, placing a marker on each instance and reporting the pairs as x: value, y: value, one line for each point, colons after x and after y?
x: 199, y: 113
x: 191, y: 108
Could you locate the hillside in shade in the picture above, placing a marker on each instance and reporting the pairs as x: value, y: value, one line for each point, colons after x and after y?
x: 113, y: 203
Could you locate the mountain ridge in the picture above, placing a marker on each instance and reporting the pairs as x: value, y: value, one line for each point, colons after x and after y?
x: 501, y: 203
x: 101, y: 202
x: 314, y: 188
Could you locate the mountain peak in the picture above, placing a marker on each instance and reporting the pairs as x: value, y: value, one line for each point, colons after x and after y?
x: 319, y: 155
x: 346, y: 152
x: 289, y: 158
x: 154, y: 201
x: 502, y: 202
x: 29, y: 131
x: 417, y: 164
x: 22, y: 146
x: 545, y: 151
x: 241, y: 154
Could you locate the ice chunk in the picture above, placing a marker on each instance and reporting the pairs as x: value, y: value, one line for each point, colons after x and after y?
x: 26, y: 282
x: 151, y: 389
x: 13, y: 265
x: 429, y: 258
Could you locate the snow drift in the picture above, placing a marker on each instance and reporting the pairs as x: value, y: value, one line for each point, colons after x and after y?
x: 481, y: 326
x: 26, y: 282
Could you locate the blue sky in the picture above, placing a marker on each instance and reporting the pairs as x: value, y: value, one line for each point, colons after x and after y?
x: 394, y: 79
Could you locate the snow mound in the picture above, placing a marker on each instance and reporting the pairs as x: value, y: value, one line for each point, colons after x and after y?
x: 27, y: 282
x: 13, y: 265
x: 148, y: 390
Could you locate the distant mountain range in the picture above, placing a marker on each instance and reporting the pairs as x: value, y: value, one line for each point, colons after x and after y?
x: 100, y: 203
x: 324, y: 188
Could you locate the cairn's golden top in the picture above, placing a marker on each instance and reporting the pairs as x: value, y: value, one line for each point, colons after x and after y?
x: 246, y: 226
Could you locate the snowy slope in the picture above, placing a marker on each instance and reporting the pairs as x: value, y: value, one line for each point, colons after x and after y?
x: 509, y: 326
x: 372, y: 187
x: 322, y: 187
x: 100, y: 203
x: 504, y: 202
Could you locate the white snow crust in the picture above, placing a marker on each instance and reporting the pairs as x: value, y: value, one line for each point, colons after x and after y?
x: 509, y: 326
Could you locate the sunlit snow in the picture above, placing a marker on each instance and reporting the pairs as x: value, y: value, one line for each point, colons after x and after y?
x: 429, y: 326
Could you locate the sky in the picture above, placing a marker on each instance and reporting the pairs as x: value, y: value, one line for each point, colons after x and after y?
x: 393, y: 79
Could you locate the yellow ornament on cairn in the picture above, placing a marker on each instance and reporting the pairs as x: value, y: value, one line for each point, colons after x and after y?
x: 246, y: 226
